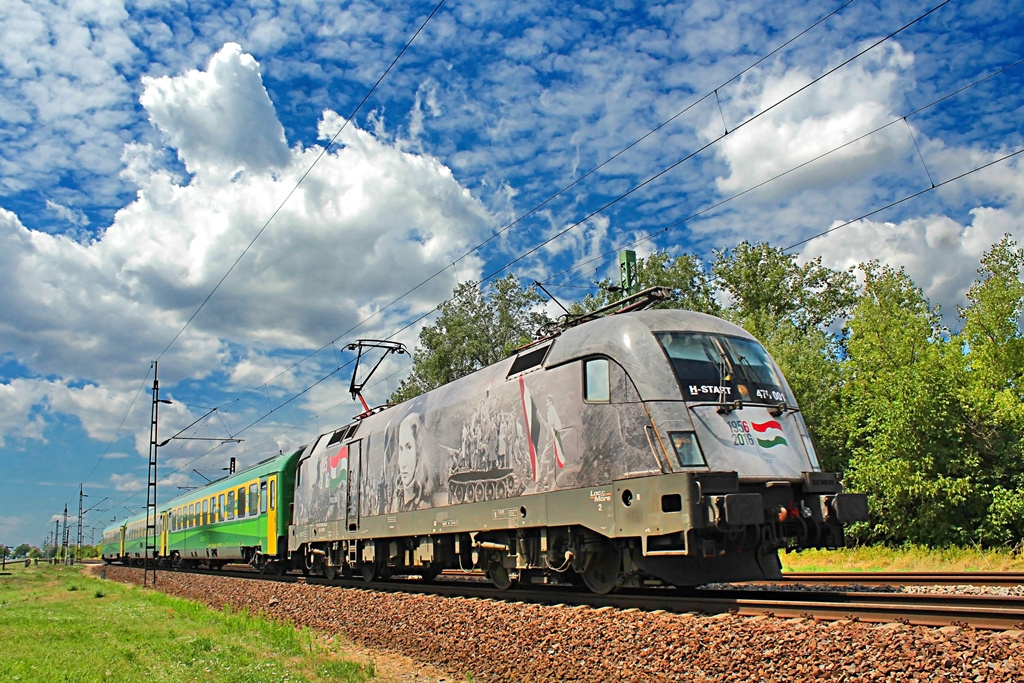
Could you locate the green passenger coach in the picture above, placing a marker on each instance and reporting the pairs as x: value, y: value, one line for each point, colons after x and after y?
x: 241, y: 518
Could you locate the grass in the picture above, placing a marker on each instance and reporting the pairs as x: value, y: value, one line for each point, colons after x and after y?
x: 908, y: 559
x: 60, y: 625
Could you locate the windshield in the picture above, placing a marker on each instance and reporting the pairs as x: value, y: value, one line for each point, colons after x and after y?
x: 713, y: 367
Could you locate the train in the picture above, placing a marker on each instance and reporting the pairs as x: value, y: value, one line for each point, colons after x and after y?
x: 646, y: 447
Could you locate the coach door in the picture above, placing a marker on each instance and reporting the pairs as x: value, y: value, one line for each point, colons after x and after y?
x: 272, y: 515
x: 352, y: 508
x: 163, y: 535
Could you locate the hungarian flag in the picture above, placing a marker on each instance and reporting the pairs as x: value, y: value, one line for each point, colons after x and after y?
x: 337, y: 467
x: 532, y: 419
x: 776, y: 440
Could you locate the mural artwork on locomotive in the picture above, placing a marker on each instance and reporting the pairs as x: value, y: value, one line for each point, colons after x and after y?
x: 484, y: 437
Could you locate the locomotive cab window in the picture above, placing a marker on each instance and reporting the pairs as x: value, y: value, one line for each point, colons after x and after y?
x: 712, y: 367
x: 596, y: 387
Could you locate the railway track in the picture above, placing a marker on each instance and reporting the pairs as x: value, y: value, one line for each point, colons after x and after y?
x: 995, y: 612
x: 909, y: 578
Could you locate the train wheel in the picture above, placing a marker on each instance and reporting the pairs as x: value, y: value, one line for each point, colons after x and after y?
x: 429, y: 572
x: 368, y: 571
x: 330, y: 572
x: 498, y: 575
x: 602, y: 574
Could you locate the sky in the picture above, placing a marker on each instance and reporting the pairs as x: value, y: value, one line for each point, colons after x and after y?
x: 239, y: 191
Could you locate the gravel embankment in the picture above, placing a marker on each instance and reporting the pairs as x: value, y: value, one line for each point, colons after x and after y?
x: 520, y: 642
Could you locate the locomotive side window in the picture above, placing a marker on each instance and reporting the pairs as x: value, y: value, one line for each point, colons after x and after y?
x: 596, y: 387
x: 687, y: 450
x: 530, y: 359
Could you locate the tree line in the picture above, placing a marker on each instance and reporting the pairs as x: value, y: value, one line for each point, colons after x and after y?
x: 928, y: 420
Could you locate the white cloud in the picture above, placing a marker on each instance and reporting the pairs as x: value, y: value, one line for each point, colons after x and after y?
x: 73, y: 216
x: 848, y: 103
x: 127, y: 482
x: 369, y: 223
x: 67, y: 106
x: 219, y: 120
x: 939, y: 254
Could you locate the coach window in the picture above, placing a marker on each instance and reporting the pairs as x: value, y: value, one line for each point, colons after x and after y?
x: 263, y: 497
x: 206, y: 513
x: 191, y: 516
x: 220, y: 507
x: 254, y: 500
x: 596, y: 388
x: 231, y: 504
x: 241, y: 502
x: 273, y: 495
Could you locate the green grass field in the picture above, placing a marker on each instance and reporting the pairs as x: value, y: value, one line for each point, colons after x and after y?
x: 913, y: 559
x: 58, y: 625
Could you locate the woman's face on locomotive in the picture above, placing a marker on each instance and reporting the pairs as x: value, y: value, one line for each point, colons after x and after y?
x: 408, y: 448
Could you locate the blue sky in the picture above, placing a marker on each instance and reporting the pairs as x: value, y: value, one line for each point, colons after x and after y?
x: 144, y: 145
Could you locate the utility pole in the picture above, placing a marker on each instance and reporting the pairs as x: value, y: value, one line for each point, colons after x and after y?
x: 627, y: 272
x: 64, y: 543
x: 78, y: 545
x: 56, y: 530
x: 149, y: 562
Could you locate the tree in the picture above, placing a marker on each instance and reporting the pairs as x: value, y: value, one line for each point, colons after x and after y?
x: 475, y: 329
x: 22, y: 550
x: 768, y: 286
x: 993, y: 387
x: 909, y: 448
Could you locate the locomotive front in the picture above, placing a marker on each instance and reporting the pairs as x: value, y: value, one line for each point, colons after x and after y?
x: 741, y: 477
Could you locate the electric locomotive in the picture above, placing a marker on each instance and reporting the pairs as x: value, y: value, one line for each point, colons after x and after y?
x: 648, y: 446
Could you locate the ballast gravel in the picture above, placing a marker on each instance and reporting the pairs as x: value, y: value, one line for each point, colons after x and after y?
x: 484, y: 640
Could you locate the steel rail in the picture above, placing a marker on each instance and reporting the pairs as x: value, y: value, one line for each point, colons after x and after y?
x: 909, y: 578
x: 994, y: 612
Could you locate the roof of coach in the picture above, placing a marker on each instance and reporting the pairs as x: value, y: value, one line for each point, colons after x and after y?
x: 628, y: 339
x: 277, y: 463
